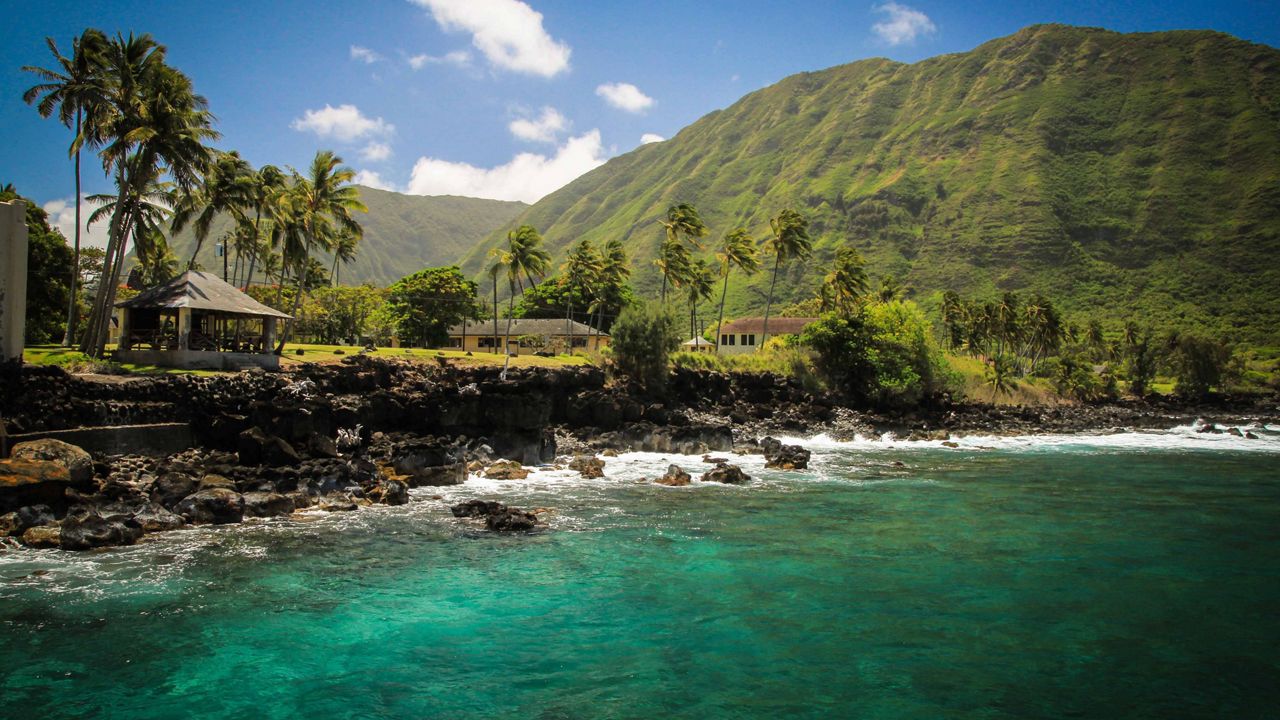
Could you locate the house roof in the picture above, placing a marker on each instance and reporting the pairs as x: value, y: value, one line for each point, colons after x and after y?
x: 777, y: 325
x: 697, y: 342
x: 200, y: 291
x: 525, y: 326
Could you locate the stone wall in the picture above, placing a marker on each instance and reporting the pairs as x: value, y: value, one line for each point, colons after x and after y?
x: 13, y: 278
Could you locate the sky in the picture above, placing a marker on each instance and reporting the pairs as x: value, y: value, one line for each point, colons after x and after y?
x: 505, y: 99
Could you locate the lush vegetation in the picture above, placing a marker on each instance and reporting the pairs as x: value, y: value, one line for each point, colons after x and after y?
x: 1122, y: 175
x: 426, y: 304
x: 644, y: 337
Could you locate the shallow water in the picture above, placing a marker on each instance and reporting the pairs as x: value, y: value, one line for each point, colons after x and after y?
x: 1119, y: 575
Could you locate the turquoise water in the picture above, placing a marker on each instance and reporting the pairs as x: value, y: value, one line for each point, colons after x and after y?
x: 1114, y: 576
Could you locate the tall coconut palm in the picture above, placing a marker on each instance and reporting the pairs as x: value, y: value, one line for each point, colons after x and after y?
x: 581, y: 277
x: 699, y: 284
x: 344, y: 251
x: 226, y: 189
x: 496, y: 267
x: 790, y: 240
x: 615, y: 269
x: 73, y: 90
x: 155, y: 125
x: 317, y: 211
x: 847, y: 280
x: 737, y: 249
x: 268, y: 184
x: 526, y: 256
x: 681, y: 222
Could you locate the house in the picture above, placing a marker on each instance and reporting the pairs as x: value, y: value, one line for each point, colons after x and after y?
x: 698, y: 344
x: 197, y: 321
x: 529, y: 333
x: 746, y: 335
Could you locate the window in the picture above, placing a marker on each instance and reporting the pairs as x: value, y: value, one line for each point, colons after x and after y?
x: 486, y: 341
x: 455, y: 342
x: 727, y: 339
x: 749, y: 339
x: 579, y: 342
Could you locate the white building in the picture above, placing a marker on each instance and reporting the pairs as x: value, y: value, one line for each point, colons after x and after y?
x: 746, y: 335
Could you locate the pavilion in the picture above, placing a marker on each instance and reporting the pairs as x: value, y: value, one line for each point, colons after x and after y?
x: 198, y: 321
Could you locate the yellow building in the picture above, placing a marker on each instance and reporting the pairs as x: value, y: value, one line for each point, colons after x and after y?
x: 527, y: 335
x: 746, y: 335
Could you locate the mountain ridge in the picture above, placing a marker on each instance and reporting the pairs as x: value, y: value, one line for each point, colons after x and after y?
x: 1116, y: 173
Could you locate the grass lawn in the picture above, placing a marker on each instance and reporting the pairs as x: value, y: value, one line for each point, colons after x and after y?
x: 77, y: 362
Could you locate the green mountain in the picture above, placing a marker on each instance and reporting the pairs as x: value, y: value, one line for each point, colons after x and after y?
x: 402, y: 234
x: 1126, y: 175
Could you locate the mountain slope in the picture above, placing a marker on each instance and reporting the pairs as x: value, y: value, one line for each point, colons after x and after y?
x: 402, y: 234
x: 1120, y: 174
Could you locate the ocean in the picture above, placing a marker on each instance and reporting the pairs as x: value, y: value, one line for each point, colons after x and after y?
x: 1119, y: 575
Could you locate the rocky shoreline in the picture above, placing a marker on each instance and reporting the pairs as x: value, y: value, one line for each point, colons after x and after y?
x: 338, y: 437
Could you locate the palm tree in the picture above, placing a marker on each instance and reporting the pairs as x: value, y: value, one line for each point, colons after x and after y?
x: 227, y: 188
x: 615, y: 269
x: 681, y: 221
x: 953, y: 319
x: 737, y: 249
x: 700, y: 283
x: 344, y: 251
x: 74, y: 89
x: 790, y: 240
x: 848, y: 279
x: 268, y: 184
x: 581, y: 275
x: 523, y: 259
x: 317, y: 211
x: 496, y: 266
x: 154, y: 125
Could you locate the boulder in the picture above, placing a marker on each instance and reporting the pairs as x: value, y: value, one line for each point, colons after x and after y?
x: 784, y: 457
x: 588, y: 465
x: 42, y: 536
x: 726, y: 473
x: 9, y: 525
x: 171, y: 487
x: 322, y: 446
x: 256, y: 447
x: 506, y: 470
x: 674, y: 477
x: 267, y: 504
x: 389, y: 491
x: 78, y: 463
x: 511, y: 520
x: 427, y: 463
x: 32, y: 482
x: 153, y: 517
x: 212, y: 480
x: 477, y: 508
x: 215, y: 506
x: 85, y: 532
x: 336, y: 502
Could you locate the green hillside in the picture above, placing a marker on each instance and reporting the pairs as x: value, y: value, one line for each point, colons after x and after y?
x: 402, y: 234
x: 1130, y: 175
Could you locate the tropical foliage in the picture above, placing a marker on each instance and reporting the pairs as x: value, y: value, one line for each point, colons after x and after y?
x: 644, y: 337
x: 425, y: 304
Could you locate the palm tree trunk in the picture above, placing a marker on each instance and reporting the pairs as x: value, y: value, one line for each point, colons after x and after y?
x: 506, y: 348
x: 75, y: 255
x: 768, y: 303
x: 253, y: 250
x: 723, y: 294
x: 664, y: 287
x: 297, y: 303
x: 568, y: 329
x: 94, y: 340
x: 495, y: 315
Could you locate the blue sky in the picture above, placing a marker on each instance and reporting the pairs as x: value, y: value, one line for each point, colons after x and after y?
x: 503, y: 98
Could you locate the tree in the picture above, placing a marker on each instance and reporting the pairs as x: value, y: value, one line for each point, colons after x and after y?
x: 790, y: 240
x: 581, y: 275
x: 1141, y: 359
x: 268, y: 184
x: 317, y: 210
x: 1198, y: 364
x: 699, y: 284
x: 644, y: 337
x: 737, y: 249
x: 73, y: 90
x: 427, y: 303
x: 226, y: 189
x: 153, y: 124
x: 847, y: 280
x: 890, y: 289
x: 523, y: 258
x: 344, y: 251
x: 47, y: 287
x: 681, y: 222
x: 496, y: 268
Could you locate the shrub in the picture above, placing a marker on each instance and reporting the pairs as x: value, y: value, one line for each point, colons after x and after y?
x: 1198, y: 364
x: 882, y: 353
x: 643, y: 337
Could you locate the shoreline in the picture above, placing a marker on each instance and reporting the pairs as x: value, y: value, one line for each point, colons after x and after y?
x: 335, y: 438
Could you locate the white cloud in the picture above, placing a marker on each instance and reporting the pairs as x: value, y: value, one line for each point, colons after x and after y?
x: 625, y: 96
x: 902, y: 24
x: 369, y: 178
x: 62, y: 215
x: 528, y: 177
x: 544, y: 129
x: 457, y: 58
x: 364, y: 54
x: 345, y: 123
x: 647, y: 138
x: 375, y: 152
x: 508, y: 32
